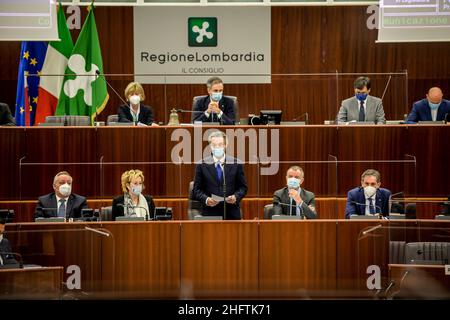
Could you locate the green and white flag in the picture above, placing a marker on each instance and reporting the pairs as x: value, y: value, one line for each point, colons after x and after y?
x: 84, y: 91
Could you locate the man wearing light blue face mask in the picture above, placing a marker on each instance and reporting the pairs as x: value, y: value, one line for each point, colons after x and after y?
x: 220, y: 178
x: 294, y: 200
x: 362, y: 107
x: 432, y: 108
x: 215, y: 107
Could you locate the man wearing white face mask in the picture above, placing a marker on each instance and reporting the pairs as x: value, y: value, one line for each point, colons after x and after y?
x: 294, y: 200
x: 369, y: 199
x: 215, y: 107
x: 136, y: 111
x: 432, y: 108
x: 216, y: 173
x: 62, y: 202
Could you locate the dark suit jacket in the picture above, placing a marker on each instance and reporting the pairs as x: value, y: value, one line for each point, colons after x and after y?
x: 145, y: 114
x: 357, y: 195
x: 206, y: 184
x: 118, y: 211
x: 5, y: 115
x: 8, y: 259
x: 422, y: 112
x: 73, y: 210
x: 281, y: 203
x: 226, y: 105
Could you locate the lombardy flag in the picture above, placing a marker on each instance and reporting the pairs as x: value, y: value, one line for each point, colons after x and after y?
x: 32, y: 57
x: 84, y: 88
x: 55, y: 64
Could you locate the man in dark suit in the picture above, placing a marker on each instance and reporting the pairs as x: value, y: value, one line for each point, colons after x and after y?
x: 369, y: 199
x: 62, y: 202
x: 294, y: 200
x: 209, y: 180
x: 7, y: 260
x: 6, y: 118
x: 136, y: 112
x: 433, y: 108
x: 215, y: 107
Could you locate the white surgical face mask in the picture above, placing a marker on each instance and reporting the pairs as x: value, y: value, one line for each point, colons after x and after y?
x: 136, y: 190
x: 218, y: 152
x: 135, y: 99
x: 369, y: 191
x: 65, y: 189
x: 293, y: 183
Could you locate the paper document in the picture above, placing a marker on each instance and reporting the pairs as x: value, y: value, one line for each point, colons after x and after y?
x: 217, y: 198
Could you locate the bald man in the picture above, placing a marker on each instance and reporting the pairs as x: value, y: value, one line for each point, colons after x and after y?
x: 432, y: 108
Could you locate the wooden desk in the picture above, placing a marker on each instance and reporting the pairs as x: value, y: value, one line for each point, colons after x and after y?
x: 35, y: 283
x: 253, y: 258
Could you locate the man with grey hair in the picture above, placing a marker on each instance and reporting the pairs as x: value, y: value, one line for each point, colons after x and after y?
x: 293, y: 200
x: 369, y: 199
x: 62, y: 202
x: 362, y: 107
x: 215, y: 107
x: 220, y: 177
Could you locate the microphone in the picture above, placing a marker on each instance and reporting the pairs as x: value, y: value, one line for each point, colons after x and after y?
x: 289, y: 205
x: 189, y: 111
x: 132, y: 208
x: 109, y: 85
x: 301, y: 116
x: 380, y: 215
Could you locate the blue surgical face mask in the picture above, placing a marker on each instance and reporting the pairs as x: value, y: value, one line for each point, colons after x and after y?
x: 293, y: 183
x: 218, y: 152
x: 361, y: 96
x: 136, y: 190
x: 433, y: 106
x: 216, y: 96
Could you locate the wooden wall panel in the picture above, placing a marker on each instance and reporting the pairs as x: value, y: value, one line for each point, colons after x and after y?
x: 304, y: 39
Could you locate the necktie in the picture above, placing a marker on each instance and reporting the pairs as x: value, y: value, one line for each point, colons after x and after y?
x: 62, y: 208
x: 371, y: 206
x: 219, y: 172
x: 362, y: 116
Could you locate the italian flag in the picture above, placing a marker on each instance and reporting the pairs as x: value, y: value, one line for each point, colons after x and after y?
x: 55, y: 63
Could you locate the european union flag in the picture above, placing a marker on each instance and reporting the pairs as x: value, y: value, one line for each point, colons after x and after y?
x: 32, y: 57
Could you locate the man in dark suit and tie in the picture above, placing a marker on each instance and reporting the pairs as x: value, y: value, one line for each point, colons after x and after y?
x: 369, y: 199
x: 294, y: 200
x: 216, y: 174
x: 62, y: 202
x: 215, y: 107
x: 362, y: 107
x: 432, y: 108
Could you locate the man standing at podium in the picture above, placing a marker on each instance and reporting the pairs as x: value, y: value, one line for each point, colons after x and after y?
x: 369, y: 199
x: 62, y: 202
x: 220, y: 177
x: 362, y: 107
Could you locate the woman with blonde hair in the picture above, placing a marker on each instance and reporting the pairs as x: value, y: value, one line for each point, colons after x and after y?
x: 133, y: 203
x: 135, y: 112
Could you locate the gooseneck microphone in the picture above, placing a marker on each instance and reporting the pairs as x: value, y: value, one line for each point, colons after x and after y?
x: 290, y: 206
x: 109, y: 85
x: 131, y: 208
x: 301, y: 116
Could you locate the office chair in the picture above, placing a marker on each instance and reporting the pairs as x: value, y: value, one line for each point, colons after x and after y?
x: 236, y: 107
x: 106, y: 213
x: 194, y: 207
x: 427, y: 253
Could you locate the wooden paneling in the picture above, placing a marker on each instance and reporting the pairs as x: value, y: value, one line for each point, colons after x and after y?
x: 295, y: 258
x: 219, y: 257
x: 304, y: 39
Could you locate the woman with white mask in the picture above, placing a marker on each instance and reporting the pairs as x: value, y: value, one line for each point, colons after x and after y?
x: 133, y: 203
x: 135, y: 111
x: 369, y: 199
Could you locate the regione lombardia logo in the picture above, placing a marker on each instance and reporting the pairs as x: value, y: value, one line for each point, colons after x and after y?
x: 202, y: 32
